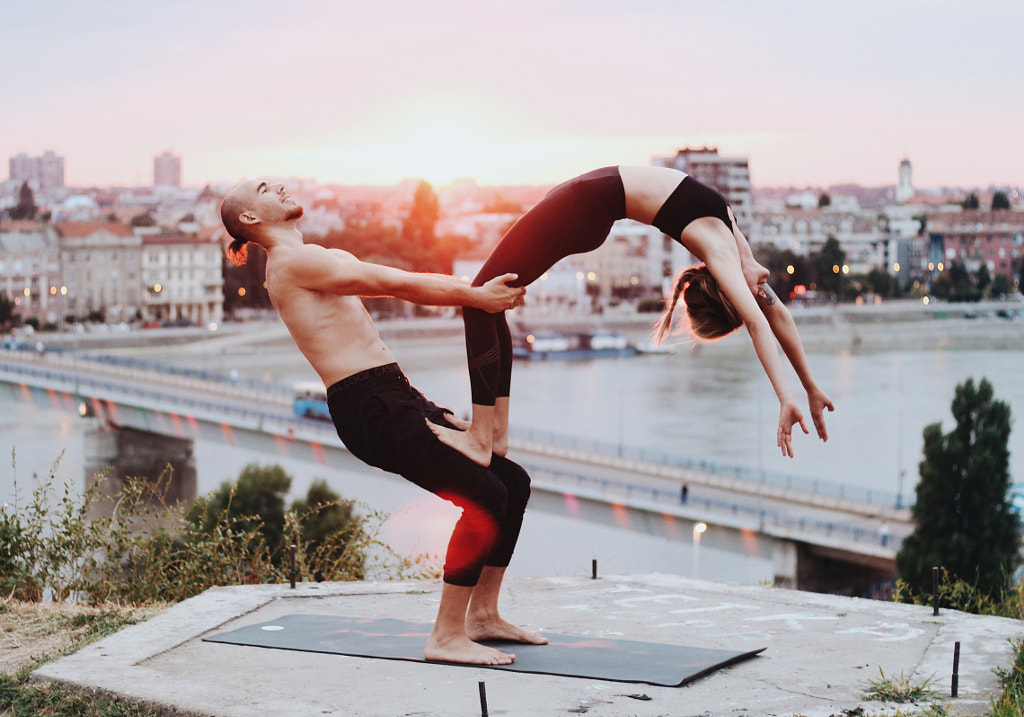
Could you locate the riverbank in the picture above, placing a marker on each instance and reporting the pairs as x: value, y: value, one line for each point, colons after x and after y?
x: 896, y: 325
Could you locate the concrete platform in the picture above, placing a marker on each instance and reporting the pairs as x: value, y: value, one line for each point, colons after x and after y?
x: 822, y: 653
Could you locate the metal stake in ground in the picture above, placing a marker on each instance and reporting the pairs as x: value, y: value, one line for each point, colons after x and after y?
x: 483, y: 699
x: 956, y: 669
x: 593, y: 569
x: 935, y: 591
x: 292, y: 572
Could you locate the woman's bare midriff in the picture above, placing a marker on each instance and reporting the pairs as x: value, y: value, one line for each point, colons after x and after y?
x: 646, y: 190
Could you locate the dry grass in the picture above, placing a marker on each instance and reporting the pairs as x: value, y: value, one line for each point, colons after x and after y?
x: 31, y: 632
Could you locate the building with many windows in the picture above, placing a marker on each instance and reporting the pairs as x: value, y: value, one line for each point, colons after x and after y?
x: 167, y: 171
x: 729, y: 175
x: 30, y: 270
x: 182, y: 277
x: 44, y: 174
x: 976, y: 238
x: 99, y: 263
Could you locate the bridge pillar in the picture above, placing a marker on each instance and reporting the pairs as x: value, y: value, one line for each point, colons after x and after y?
x: 114, y: 453
x: 844, y: 572
x: 785, y: 560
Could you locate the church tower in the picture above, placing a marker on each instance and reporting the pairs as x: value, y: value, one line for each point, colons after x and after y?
x: 905, y: 186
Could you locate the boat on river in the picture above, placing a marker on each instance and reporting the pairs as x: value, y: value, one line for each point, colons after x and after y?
x: 594, y: 343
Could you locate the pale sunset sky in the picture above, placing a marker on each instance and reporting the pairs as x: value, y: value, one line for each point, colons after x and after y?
x: 515, y: 91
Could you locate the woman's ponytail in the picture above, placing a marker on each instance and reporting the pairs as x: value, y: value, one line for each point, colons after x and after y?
x: 710, y: 313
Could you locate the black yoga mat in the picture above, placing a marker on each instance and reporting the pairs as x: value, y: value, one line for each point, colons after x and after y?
x: 565, y: 655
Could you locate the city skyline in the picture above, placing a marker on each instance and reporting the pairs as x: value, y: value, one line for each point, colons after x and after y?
x: 519, y: 92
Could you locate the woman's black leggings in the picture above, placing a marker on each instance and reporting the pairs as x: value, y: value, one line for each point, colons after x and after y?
x: 575, y: 217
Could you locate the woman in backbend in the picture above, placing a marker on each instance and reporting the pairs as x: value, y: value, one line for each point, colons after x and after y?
x: 726, y: 291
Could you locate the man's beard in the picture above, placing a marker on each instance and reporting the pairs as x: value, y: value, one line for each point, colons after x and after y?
x: 295, y: 212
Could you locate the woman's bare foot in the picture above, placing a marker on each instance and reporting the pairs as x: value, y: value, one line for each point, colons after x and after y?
x: 499, y: 444
x: 498, y: 629
x: 463, y: 650
x: 460, y: 423
x: 463, y: 442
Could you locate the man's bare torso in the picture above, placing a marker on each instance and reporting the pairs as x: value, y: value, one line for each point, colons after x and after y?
x: 334, y: 332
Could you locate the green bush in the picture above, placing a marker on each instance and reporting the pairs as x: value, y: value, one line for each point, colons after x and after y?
x: 143, y: 551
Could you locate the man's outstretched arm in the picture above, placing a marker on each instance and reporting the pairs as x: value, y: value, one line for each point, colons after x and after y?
x: 337, y: 272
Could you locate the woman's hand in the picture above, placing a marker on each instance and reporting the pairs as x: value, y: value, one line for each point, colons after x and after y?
x: 789, y: 416
x: 818, y: 401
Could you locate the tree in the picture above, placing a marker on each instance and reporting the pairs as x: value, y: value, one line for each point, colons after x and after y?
x: 880, y: 281
x: 1001, y: 286
x: 257, y: 500
x: 982, y: 278
x: 419, y: 227
x: 961, y: 283
x: 1000, y: 200
x: 786, y: 267
x: 26, y: 206
x: 245, y: 285
x: 964, y: 517
x: 824, y: 201
x: 257, y: 495
x: 329, y: 526
x: 970, y: 201
x: 828, y: 265
x: 7, y: 315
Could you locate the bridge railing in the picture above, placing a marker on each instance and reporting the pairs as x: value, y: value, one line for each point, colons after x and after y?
x: 751, y: 475
x: 157, y: 398
x: 63, y: 379
x: 142, y: 364
x: 748, y: 474
x: 763, y: 517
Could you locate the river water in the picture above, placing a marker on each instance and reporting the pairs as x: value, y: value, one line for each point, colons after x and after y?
x: 711, y: 402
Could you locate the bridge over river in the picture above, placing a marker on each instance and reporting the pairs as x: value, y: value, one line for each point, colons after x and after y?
x: 817, y: 535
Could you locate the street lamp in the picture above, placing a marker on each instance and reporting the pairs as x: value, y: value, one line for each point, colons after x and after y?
x: 698, y: 530
x: 63, y: 291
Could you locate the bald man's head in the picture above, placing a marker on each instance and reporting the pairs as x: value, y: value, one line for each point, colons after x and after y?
x: 252, y: 207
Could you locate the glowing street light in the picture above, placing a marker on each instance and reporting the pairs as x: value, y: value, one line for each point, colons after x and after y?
x: 698, y: 530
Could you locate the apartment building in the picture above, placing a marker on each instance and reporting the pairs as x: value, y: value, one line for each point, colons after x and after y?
x: 729, y: 175
x: 44, y: 174
x: 167, y: 171
x: 99, y: 267
x: 182, y: 277
x: 30, y: 270
x: 995, y: 239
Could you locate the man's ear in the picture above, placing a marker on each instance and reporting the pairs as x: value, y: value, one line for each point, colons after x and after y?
x: 248, y: 218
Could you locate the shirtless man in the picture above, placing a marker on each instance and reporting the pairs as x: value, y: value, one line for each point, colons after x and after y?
x: 380, y: 417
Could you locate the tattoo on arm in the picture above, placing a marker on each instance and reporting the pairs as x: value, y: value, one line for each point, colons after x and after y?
x: 769, y: 295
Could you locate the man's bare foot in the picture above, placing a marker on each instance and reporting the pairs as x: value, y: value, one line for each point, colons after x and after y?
x: 463, y: 650
x: 463, y: 442
x: 499, y: 629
